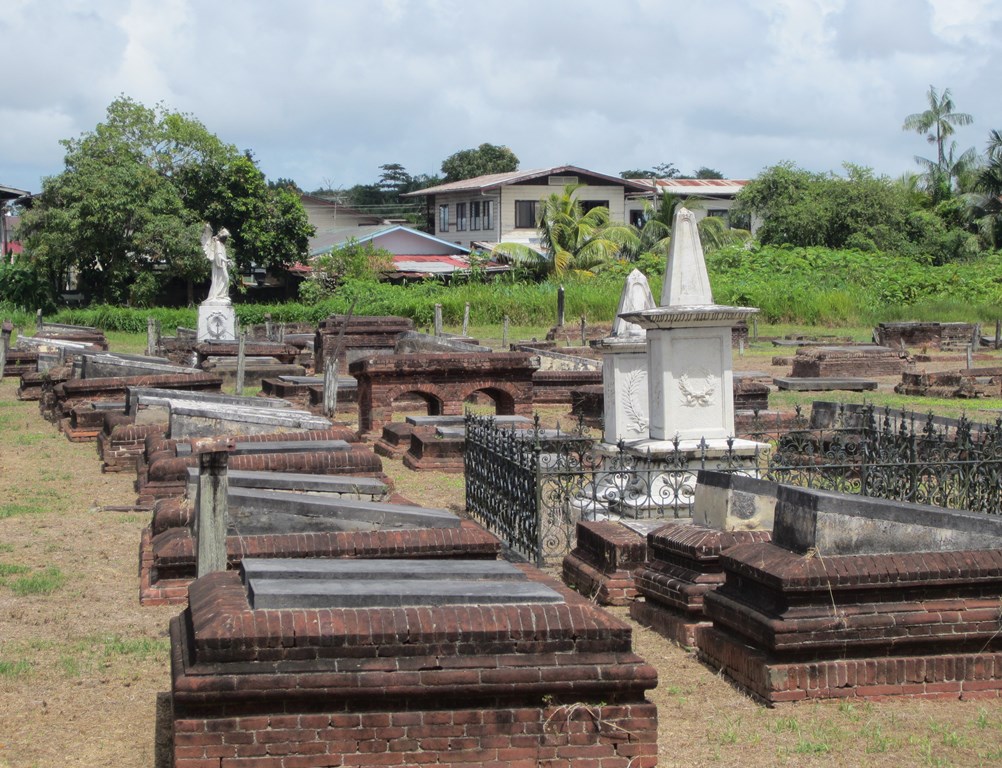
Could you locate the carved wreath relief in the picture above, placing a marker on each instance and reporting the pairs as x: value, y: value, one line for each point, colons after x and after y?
x: 699, y: 392
x: 635, y: 388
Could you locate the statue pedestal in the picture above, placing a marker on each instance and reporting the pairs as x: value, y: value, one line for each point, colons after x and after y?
x: 216, y: 321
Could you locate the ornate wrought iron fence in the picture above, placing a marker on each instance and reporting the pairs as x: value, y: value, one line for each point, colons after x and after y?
x: 530, y: 487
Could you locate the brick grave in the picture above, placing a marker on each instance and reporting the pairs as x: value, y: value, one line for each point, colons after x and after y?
x: 167, y: 475
x: 605, y: 554
x: 846, y: 361
x: 861, y: 598
x: 475, y: 664
x: 364, y: 336
x: 966, y: 383
x: 321, y: 526
x: 444, y: 381
x: 936, y: 335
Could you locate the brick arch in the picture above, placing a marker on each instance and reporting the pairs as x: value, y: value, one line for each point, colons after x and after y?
x: 447, y: 379
x: 432, y: 399
x: 505, y: 398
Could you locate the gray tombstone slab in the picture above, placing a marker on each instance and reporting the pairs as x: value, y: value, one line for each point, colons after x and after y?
x: 335, y: 485
x: 379, y: 569
x: 256, y: 511
x: 323, y: 593
x: 829, y: 523
x: 202, y: 420
x: 285, y: 446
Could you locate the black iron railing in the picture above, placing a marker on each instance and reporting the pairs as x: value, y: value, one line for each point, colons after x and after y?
x: 530, y: 487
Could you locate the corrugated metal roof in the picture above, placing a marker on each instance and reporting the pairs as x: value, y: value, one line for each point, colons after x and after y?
x: 716, y: 187
x: 323, y: 242
x: 495, y: 180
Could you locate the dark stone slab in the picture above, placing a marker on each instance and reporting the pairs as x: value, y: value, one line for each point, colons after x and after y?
x: 360, y: 570
x: 343, y: 593
x: 845, y: 524
x: 256, y: 511
x: 290, y: 446
x: 300, y: 482
x: 824, y: 384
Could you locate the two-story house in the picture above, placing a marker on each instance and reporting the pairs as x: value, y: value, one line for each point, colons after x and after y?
x: 503, y: 207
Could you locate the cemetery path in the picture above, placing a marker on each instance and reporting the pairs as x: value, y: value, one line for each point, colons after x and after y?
x: 80, y: 662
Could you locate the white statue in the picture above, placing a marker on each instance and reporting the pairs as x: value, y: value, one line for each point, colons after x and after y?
x: 214, y: 247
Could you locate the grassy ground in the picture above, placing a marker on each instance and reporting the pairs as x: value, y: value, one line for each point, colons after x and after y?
x: 81, y: 663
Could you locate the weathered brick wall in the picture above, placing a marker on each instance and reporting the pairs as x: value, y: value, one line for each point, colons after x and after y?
x: 445, y: 381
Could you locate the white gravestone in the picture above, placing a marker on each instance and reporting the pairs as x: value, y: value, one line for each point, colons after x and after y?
x: 624, y: 366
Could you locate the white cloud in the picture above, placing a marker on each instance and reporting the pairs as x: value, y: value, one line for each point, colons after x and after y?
x: 331, y: 90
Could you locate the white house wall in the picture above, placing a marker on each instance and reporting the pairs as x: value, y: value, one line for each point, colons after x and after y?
x: 409, y: 244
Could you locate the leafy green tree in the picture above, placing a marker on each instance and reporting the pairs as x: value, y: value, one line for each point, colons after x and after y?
x: 707, y: 173
x: 483, y: 160
x: 987, y: 201
x: 659, y: 171
x: 132, y: 199
x: 570, y: 237
x: 351, y: 261
x: 937, y: 122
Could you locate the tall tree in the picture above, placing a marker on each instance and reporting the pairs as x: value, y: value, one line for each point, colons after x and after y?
x: 937, y: 122
x: 988, y: 204
x: 485, y: 159
x: 126, y: 212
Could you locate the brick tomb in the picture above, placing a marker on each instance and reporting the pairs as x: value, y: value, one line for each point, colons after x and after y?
x: 313, y: 663
x: 362, y: 337
x: 166, y: 474
x: 966, y: 383
x: 308, y: 518
x: 936, y: 335
x: 860, y: 597
x: 444, y: 381
x: 846, y: 361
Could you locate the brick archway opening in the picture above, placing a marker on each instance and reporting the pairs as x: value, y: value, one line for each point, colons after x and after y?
x: 413, y: 399
x: 503, y: 402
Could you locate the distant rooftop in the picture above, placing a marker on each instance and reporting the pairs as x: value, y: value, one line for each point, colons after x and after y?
x: 496, y: 180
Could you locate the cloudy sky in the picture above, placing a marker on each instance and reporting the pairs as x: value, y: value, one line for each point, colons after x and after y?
x: 326, y: 91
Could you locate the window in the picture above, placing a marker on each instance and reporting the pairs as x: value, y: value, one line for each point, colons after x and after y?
x: 587, y: 205
x: 525, y: 214
x: 460, y: 217
x: 443, y: 218
x: 488, y: 214
x: 475, y: 214
x: 638, y: 218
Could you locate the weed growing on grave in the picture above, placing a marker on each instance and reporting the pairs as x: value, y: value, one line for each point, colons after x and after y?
x: 14, y: 668
x: 43, y: 583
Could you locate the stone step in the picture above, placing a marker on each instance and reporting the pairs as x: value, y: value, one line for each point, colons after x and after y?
x: 322, y: 568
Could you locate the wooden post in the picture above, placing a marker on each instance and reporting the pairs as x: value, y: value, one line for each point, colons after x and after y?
x: 150, y: 336
x: 754, y: 327
x: 211, y: 516
x: 39, y: 325
x: 466, y: 319
x: 241, y: 362
x: 438, y: 319
x: 504, y: 334
x: 330, y: 367
x: 970, y: 355
x: 584, y: 337
x: 998, y: 332
x: 5, y: 331
x: 560, y: 307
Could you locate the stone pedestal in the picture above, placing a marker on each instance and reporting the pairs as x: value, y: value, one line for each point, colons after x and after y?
x: 624, y: 383
x: 216, y: 321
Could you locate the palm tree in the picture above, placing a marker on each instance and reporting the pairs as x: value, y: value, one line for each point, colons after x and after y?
x: 937, y: 122
x: 570, y: 237
x: 941, y: 178
x: 988, y: 203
